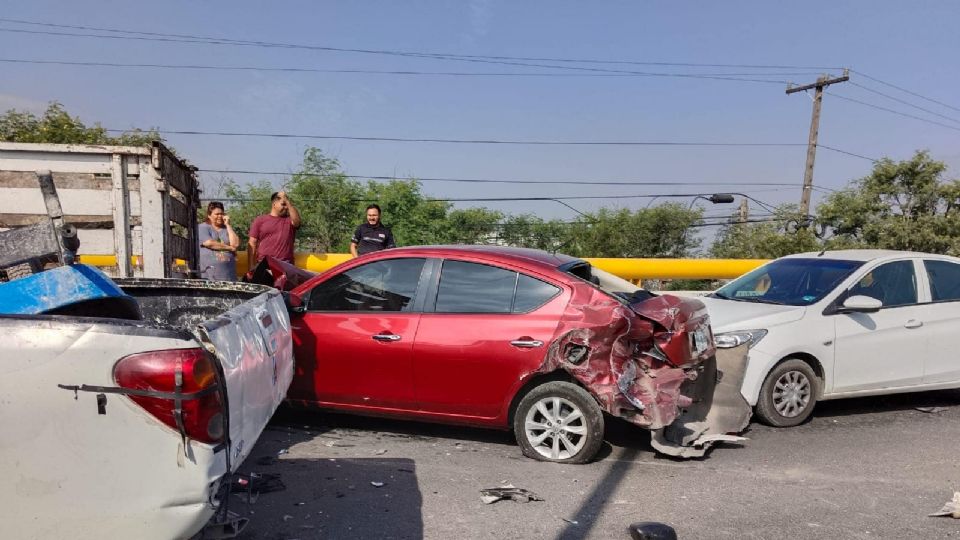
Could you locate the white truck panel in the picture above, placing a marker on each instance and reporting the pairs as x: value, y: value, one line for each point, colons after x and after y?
x: 73, y: 473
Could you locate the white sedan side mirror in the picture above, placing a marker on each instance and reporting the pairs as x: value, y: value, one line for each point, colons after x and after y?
x: 862, y: 304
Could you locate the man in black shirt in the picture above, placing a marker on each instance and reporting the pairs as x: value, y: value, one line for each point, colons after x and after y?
x: 372, y: 235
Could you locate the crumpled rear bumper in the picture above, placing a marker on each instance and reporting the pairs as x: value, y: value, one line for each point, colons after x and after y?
x: 716, y: 415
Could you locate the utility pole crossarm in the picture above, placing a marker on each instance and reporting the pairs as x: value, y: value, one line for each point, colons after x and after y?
x: 820, y: 83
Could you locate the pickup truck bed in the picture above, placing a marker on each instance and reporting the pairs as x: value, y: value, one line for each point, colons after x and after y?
x: 93, y: 445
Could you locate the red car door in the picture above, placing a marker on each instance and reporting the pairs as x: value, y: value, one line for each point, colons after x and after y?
x: 489, y: 326
x: 354, y: 341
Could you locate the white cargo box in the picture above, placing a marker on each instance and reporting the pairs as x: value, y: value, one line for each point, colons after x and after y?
x: 136, y: 203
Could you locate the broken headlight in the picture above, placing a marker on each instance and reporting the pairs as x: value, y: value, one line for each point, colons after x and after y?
x: 729, y: 340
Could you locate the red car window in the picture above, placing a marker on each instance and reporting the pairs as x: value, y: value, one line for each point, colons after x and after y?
x: 388, y: 285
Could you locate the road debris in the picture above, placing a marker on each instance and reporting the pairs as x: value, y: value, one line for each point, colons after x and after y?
x: 380, y: 452
x: 254, y: 484
x: 377, y: 484
x: 282, y: 452
x: 651, y: 530
x: 930, y: 410
x: 950, y: 509
x: 571, y: 521
x: 492, y: 495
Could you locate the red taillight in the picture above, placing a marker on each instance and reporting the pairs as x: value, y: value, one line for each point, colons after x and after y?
x: 156, y: 371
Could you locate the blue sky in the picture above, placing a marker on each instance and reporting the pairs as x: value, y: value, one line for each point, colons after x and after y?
x: 913, y: 45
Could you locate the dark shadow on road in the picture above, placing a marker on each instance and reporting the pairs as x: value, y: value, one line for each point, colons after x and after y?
x: 329, y: 498
x: 325, y: 421
x: 894, y: 402
x: 586, y: 516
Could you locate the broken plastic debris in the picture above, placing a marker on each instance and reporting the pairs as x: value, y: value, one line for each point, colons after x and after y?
x: 377, y: 484
x: 287, y: 517
x: 951, y: 508
x: 571, y: 521
x: 282, y: 452
x: 492, y: 495
x: 380, y: 452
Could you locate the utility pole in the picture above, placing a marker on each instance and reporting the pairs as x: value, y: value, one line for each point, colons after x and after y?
x: 744, y: 212
x: 821, y: 83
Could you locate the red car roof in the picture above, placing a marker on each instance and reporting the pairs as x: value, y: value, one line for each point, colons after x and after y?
x: 518, y: 255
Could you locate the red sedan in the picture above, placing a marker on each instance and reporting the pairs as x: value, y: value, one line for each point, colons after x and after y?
x: 502, y: 337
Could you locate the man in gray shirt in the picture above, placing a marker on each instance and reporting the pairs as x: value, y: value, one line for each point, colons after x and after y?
x: 218, y: 245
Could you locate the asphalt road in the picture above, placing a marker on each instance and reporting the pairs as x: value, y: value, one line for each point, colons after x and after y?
x: 860, y: 469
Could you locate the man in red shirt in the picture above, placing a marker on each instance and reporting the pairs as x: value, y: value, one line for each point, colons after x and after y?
x: 273, y: 234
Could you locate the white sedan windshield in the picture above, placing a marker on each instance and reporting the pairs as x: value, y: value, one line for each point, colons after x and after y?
x: 793, y: 282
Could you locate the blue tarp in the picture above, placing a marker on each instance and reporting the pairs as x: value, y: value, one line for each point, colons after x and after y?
x: 56, y: 288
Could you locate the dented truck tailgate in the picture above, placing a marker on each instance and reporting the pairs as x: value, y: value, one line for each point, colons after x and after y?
x: 252, y: 342
x: 130, y: 427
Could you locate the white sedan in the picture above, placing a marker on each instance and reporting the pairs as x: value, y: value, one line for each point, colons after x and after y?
x: 841, y: 324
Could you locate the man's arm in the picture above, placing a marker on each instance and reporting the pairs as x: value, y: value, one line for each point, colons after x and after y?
x: 251, y: 253
x: 354, y: 241
x: 389, y: 243
x: 294, y: 214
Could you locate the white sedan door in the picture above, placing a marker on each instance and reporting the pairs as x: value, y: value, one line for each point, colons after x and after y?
x: 942, y: 322
x: 885, y: 349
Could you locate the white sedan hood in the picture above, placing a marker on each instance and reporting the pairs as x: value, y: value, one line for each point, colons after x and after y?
x: 730, y: 315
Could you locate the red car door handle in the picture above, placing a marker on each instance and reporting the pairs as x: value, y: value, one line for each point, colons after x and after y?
x: 386, y: 337
x: 527, y: 343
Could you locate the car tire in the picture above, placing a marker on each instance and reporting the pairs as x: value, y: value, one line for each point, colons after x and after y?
x: 788, y: 394
x: 560, y: 422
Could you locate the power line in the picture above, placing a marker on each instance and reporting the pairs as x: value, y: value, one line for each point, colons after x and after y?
x: 228, y: 41
x: 844, y: 152
x: 370, y: 71
x: 509, y: 199
x: 518, y: 181
x: 395, y: 53
x: 878, y: 107
x: 487, y: 141
x: 464, y: 141
x: 907, y: 103
x: 931, y: 100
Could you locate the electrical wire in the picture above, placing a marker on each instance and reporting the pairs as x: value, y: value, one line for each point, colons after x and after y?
x: 367, y: 71
x: 517, y: 181
x: 430, y: 56
x: 912, y: 93
x: 464, y: 141
x: 905, y: 102
x: 899, y: 113
x: 221, y: 40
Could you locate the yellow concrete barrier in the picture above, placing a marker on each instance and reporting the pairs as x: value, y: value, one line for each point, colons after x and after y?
x: 631, y: 269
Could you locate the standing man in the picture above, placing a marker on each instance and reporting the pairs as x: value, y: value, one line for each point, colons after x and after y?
x: 273, y: 234
x: 372, y: 235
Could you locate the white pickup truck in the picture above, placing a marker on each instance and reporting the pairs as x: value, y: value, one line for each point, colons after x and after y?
x: 124, y: 417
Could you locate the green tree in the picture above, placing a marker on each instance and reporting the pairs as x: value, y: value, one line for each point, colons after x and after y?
x: 471, y: 226
x: 527, y: 230
x: 57, y: 126
x: 777, y: 238
x: 661, y: 231
x: 907, y: 205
